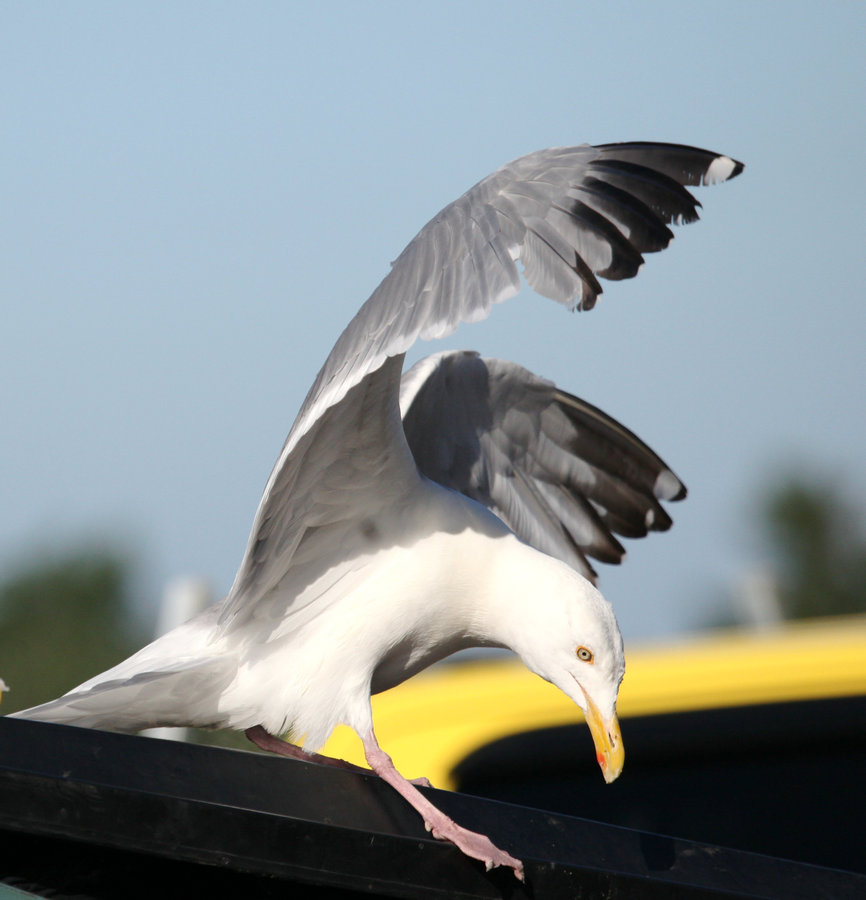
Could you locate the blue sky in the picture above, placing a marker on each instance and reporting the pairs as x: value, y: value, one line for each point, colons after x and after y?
x: 197, y: 197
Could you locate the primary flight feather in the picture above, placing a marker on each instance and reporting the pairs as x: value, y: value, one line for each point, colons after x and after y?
x: 456, y: 505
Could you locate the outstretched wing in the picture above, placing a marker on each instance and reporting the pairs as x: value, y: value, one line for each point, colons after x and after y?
x: 569, y: 215
x: 563, y: 475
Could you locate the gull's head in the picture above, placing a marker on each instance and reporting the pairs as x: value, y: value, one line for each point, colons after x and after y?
x: 568, y: 634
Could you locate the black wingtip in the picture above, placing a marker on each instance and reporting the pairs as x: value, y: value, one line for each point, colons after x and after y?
x: 736, y: 167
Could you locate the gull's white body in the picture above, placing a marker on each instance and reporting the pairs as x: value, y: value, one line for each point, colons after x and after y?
x: 463, y: 580
x: 395, y: 530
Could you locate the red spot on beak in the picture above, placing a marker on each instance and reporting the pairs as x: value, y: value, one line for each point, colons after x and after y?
x: 600, y: 759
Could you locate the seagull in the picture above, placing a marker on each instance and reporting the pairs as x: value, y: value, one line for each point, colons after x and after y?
x: 410, y: 516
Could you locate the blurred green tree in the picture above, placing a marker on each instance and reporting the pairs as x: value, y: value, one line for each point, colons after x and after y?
x: 818, y: 546
x: 66, y: 619
x: 62, y: 621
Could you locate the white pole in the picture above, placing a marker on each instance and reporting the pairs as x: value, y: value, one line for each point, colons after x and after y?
x: 182, y: 599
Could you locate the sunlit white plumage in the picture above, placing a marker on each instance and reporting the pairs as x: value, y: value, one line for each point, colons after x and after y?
x: 399, y: 527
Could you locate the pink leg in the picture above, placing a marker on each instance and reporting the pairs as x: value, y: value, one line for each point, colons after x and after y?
x: 478, y: 846
x: 264, y: 740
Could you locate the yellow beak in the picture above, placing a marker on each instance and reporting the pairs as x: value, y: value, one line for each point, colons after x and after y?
x: 607, y: 738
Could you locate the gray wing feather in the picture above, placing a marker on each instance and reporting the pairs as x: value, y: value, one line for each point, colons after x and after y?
x: 185, y: 694
x: 563, y: 475
x: 352, y: 463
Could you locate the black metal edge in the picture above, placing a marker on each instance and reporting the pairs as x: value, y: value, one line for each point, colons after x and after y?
x: 319, y: 825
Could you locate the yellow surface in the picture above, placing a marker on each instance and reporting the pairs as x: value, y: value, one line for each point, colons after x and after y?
x: 431, y: 722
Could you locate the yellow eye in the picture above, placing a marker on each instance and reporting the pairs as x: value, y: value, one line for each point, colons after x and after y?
x: 584, y: 655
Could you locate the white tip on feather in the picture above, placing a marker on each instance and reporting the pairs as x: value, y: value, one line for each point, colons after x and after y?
x: 720, y: 169
x: 667, y: 485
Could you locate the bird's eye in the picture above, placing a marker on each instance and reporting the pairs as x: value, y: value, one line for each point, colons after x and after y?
x: 584, y: 655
